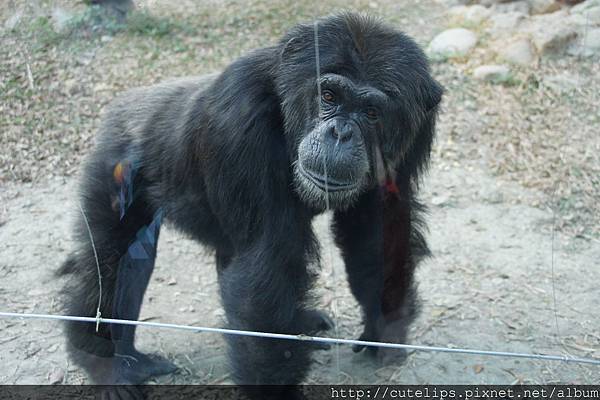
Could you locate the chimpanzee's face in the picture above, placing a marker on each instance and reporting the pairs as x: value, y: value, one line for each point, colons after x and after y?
x: 334, y: 162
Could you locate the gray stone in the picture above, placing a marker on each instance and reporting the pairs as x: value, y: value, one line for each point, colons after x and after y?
x: 489, y: 3
x: 522, y: 7
x: 474, y: 14
x: 440, y: 200
x: 519, y: 52
x: 587, y: 45
x: 60, y: 18
x: 543, y: 6
x: 585, y: 6
x: 452, y: 43
x: 12, y: 22
x: 588, y: 17
x: 72, y: 86
x: 552, y: 33
x: 451, y: 3
x: 553, y: 41
x: 563, y: 83
x: 492, y: 73
x: 504, y: 24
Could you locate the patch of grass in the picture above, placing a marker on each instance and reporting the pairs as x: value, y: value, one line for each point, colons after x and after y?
x: 91, y: 23
x: 96, y: 20
x: 144, y: 23
x: 41, y: 29
x: 509, y: 80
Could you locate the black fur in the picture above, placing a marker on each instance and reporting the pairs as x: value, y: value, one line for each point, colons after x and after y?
x: 218, y: 156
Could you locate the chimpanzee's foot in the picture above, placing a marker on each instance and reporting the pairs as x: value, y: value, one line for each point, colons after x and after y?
x: 388, y: 356
x: 316, y: 321
x: 135, y: 367
x: 369, y: 337
x: 385, y: 355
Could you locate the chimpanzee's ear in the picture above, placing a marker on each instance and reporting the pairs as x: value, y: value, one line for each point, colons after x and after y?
x: 432, y: 94
x: 416, y: 160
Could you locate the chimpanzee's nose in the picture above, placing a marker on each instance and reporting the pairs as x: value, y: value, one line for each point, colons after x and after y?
x: 342, y: 130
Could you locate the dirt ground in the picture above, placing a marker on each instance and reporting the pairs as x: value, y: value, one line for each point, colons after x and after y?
x: 499, y: 279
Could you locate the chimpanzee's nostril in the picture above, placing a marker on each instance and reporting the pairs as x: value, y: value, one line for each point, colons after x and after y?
x: 342, y: 132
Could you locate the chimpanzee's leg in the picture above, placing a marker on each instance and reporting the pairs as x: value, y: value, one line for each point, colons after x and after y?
x: 380, y: 246
x: 125, y: 229
x: 133, y: 276
x: 264, y: 289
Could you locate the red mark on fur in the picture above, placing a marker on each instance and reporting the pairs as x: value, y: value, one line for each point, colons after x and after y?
x: 391, y: 187
x: 118, y: 173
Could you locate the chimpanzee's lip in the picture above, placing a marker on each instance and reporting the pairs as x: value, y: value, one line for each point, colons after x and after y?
x: 331, y: 185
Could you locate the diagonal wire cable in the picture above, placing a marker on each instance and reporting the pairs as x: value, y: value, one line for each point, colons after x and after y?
x: 317, y: 339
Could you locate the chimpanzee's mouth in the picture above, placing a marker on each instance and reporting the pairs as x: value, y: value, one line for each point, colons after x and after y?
x: 326, y: 185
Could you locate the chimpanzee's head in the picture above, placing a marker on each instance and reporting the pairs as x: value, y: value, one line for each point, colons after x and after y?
x: 370, y: 111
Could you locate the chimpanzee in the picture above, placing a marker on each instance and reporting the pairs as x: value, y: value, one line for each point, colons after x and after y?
x: 243, y: 161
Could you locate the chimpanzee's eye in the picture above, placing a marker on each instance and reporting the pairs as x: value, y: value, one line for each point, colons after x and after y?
x: 328, y: 96
x: 372, y: 113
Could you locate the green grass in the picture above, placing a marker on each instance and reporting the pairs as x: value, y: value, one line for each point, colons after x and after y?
x: 145, y: 24
x: 96, y: 21
x: 43, y: 33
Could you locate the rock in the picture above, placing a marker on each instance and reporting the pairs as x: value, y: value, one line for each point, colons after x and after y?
x: 53, y: 348
x: 12, y: 22
x: 522, y: 7
x: 553, y: 41
x: 585, y: 6
x: 56, y: 376
x: 475, y: 14
x: 562, y: 83
x: 543, y: 6
x: 450, y: 3
x: 86, y: 57
x: 172, y: 281
x: 551, y: 34
x: 60, y: 19
x: 489, y: 3
x: 72, y: 86
x: 440, y: 200
x: 452, y: 43
x: 492, y: 73
x: 102, y: 87
x: 519, y: 52
x: 587, y: 17
x: 588, y: 44
x: 505, y: 24
x: 492, y: 196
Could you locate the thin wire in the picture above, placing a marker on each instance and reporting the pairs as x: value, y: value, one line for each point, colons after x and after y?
x: 305, y: 338
x: 554, y: 195
x: 327, y: 206
x: 87, y: 225
x: 553, y: 276
x: 318, y: 62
